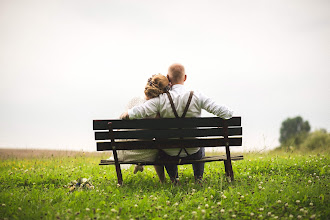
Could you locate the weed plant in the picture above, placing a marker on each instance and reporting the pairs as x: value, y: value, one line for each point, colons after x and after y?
x: 282, y: 186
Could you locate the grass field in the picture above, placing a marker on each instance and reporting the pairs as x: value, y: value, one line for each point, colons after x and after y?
x: 266, y: 186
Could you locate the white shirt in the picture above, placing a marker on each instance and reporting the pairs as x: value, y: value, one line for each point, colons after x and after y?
x: 180, y: 97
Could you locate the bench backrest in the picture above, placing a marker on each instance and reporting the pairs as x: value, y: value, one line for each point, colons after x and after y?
x: 163, y: 133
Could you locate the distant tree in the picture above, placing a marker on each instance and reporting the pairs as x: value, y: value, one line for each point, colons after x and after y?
x: 294, y: 131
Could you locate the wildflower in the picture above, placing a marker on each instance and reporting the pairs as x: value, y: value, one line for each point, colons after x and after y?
x: 168, y: 202
x: 312, y: 217
x: 251, y: 214
x: 224, y: 197
x: 176, y: 204
x: 299, y: 217
x: 309, y: 181
x: 203, y: 211
x: 206, y: 205
x: 165, y: 216
x: 286, y: 205
x: 194, y: 212
x: 218, y: 203
x: 276, y: 217
x: 135, y: 205
x: 297, y: 201
x: 261, y: 209
x: 181, y: 217
x: 302, y: 210
x: 311, y: 204
x: 233, y: 216
x: 269, y: 213
x: 3, y: 204
x: 211, y: 196
x: 87, y: 209
x: 290, y: 216
x: 279, y: 201
x: 260, y: 216
x: 19, y: 208
x: 222, y: 210
x: 113, y: 210
x: 242, y: 197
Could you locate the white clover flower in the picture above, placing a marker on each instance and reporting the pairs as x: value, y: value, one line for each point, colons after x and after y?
x: 279, y: 201
x: 206, y: 205
x: 176, y: 204
x: 260, y: 216
x: 224, y: 197
x: 19, y: 208
x: 113, y: 210
x: 218, y: 203
x: 211, y: 196
x: 136, y: 205
x: 222, y: 211
x: 165, y: 216
x: 242, y: 197
x: 168, y: 202
x: 87, y: 209
x: 290, y: 216
x: 194, y: 212
x: 3, y: 204
x: 233, y: 216
x: 203, y: 211
x: 251, y: 214
x: 309, y: 181
x: 299, y: 217
x: 312, y: 217
x: 269, y: 213
x: 261, y: 209
x: 286, y: 205
x: 311, y: 204
x: 297, y: 201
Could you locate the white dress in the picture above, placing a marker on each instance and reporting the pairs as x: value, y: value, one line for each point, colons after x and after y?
x: 137, y: 155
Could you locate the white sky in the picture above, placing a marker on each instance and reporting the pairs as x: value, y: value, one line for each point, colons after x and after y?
x: 65, y: 63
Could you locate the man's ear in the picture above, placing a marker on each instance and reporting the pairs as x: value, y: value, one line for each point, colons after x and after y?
x: 168, y: 77
x: 185, y: 77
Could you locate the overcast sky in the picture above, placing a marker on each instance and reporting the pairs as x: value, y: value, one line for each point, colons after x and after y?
x: 65, y: 63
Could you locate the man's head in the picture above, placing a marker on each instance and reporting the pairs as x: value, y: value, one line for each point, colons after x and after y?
x: 176, y: 74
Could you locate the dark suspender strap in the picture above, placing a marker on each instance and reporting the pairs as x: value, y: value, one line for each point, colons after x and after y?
x: 184, y: 112
x: 188, y: 103
x: 172, y: 105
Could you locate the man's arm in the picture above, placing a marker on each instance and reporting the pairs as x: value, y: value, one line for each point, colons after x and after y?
x: 148, y: 108
x: 212, y: 107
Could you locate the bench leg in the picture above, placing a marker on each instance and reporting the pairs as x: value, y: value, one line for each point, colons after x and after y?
x: 118, y: 170
x: 229, y: 169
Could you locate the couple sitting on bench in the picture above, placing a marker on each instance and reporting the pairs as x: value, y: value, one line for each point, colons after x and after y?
x: 166, y: 97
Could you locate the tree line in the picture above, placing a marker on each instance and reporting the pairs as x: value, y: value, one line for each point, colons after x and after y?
x: 295, y: 134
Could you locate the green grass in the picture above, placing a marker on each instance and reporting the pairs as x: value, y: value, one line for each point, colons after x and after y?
x: 283, y: 186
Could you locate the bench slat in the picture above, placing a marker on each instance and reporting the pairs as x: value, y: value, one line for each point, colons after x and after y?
x: 171, y: 133
x: 204, y: 159
x: 177, y: 143
x: 164, y: 123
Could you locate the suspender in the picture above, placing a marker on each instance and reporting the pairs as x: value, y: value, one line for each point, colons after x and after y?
x: 184, y: 112
x: 186, y: 108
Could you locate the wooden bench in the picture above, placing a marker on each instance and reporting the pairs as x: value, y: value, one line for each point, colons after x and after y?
x: 169, y: 133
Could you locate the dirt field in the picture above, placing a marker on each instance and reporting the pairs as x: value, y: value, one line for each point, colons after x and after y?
x: 34, y: 153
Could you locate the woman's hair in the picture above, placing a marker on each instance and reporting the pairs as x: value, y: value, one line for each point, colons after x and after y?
x: 157, y: 84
